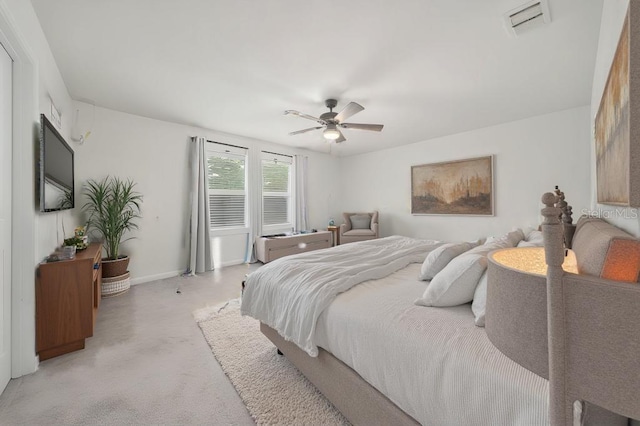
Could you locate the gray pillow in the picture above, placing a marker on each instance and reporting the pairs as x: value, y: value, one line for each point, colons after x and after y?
x: 360, y: 221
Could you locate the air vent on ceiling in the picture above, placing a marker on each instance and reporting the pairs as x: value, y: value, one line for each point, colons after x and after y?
x: 531, y: 15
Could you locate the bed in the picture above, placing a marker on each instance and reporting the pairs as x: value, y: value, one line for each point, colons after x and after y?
x: 381, y: 359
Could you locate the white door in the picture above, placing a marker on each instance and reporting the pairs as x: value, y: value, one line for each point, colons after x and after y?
x: 5, y: 216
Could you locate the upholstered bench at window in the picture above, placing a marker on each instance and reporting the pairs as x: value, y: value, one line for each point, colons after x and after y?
x: 272, y: 248
x: 359, y: 227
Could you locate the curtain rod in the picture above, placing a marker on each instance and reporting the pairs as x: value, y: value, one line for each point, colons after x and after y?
x: 275, y: 153
x: 228, y: 144
x: 244, y: 147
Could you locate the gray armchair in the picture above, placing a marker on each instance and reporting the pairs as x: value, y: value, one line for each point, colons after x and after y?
x: 360, y: 228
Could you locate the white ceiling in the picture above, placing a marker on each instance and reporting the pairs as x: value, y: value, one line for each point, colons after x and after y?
x: 423, y: 68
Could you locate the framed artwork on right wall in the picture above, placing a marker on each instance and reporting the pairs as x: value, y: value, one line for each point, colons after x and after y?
x: 617, y: 123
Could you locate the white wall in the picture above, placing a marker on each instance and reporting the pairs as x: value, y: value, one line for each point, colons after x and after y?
x: 39, y: 80
x: 613, y: 15
x: 51, y: 87
x: 531, y: 156
x: 155, y: 154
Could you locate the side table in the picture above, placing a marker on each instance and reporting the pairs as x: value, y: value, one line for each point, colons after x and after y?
x: 335, y: 234
x: 516, y: 318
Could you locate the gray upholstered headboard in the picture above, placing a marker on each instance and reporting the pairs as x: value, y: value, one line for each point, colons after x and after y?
x: 593, y: 323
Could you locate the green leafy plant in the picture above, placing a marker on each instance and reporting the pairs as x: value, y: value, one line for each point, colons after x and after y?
x: 113, y: 207
x: 75, y: 241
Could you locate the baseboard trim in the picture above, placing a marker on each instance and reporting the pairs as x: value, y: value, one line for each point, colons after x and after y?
x: 231, y: 263
x: 147, y: 278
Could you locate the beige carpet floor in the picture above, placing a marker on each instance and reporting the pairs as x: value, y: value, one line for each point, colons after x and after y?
x: 274, y: 391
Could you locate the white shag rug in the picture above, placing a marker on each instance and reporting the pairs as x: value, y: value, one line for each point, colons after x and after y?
x: 273, y: 390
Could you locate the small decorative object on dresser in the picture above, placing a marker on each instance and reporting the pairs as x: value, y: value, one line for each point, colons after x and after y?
x: 335, y: 235
x: 68, y: 251
x: 113, y: 207
x: 81, y: 233
x: 78, y: 243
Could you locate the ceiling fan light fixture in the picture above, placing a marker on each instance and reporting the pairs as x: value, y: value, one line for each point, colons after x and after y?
x: 332, y: 122
x: 331, y: 132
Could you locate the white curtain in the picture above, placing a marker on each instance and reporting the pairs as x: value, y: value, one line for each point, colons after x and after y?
x: 254, y: 195
x: 200, y: 259
x: 302, y: 215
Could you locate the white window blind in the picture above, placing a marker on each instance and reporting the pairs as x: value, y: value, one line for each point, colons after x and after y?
x: 227, y: 175
x: 276, y: 190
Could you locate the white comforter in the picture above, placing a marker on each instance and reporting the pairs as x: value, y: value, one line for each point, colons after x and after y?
x: 290, y: 293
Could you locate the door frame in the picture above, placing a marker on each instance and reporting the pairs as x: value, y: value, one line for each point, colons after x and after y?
x: 23, y: 250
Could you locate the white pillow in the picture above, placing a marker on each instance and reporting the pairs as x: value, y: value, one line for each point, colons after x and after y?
x: 536, y: 237
x: 479, y: 304
x: 533, y: 239
x: 512, y: 238
x: 527, y: 231
x: 525, y: 243
x: 440, y: 257
x: 457, y: 282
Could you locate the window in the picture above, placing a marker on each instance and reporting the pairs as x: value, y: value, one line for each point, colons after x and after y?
x: 276, y: 191
x: 227, y: 186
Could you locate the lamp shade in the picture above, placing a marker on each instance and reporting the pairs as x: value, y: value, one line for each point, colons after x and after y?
x: 331, y: 132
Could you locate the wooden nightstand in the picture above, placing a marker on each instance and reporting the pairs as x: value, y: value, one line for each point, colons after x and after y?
x: 335, y: 234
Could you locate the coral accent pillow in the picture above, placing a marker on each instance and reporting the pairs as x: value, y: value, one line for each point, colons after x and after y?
x: 623, y: 261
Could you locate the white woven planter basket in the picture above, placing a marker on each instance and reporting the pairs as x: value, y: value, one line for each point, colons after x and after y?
x: 114, y: 286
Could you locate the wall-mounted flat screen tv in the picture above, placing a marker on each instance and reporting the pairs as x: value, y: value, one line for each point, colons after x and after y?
x: 56, y: 169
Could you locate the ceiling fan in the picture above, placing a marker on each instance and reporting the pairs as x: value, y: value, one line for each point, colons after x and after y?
x: 332, y: 122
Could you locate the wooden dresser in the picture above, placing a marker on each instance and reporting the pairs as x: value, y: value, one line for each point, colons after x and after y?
x: 67, y: 301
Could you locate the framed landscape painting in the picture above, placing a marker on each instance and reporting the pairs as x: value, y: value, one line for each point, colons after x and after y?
x: 463, y: 187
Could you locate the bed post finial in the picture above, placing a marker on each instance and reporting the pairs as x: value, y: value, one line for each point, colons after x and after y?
x: 552, y: 230
x: 554, y: 254
x: 550, y: 212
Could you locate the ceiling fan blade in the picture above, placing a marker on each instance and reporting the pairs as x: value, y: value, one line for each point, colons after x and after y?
x: 303, y: 115
x: 348, y: 111
x: 341, y: 138
x: 373, y: 127
x: 304, y: 131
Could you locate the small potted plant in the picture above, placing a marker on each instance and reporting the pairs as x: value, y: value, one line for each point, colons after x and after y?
x: 113, y: 207
x: 76, y: 242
